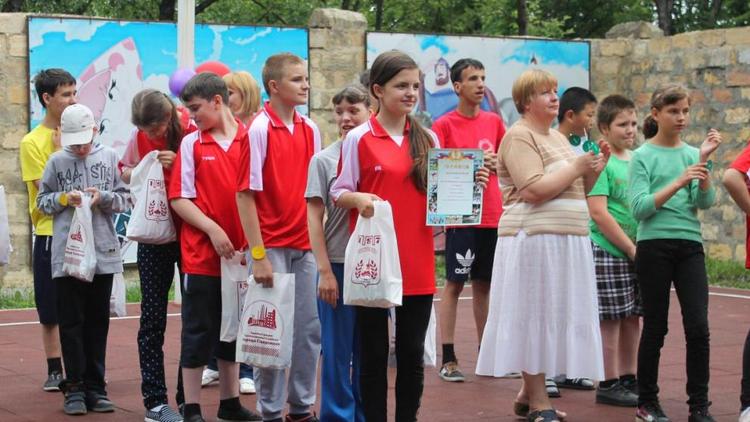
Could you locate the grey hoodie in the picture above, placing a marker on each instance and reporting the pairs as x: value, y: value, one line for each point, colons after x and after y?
x: 65, y: 172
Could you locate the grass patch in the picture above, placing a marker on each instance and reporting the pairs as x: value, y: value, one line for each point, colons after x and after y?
x: 720, y: 273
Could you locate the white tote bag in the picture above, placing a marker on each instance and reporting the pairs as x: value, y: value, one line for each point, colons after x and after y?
x: 372, y: 270
x: 5, y: 248
x: 117, y: 299
x: 267, y: 325
x: 150, y: 221
x: 80, y: 253
x: 233, y: 289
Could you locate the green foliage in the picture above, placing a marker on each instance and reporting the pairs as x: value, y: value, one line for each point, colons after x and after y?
x: 727, y: 274
x: 548, y: 18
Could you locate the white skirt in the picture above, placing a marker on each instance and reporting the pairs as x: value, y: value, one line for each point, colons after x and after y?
x: 543, y: 315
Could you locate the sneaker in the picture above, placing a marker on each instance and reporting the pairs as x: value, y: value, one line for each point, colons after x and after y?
x: 745, y: 415
x: 165, y: 414
x: 630, y: 384
x: 551, y: 386
x: 237, y: 415
x: 247, y: 386
x: 53, y: 382
x: 450, y: 372
x: 75, y: 398
x: 99, y: 403
x: 700, y: 414
x: 616, y: 395
x: 650, y: 412
x: 310, y: 417
x: 209, y: 376
x: 576, y: 383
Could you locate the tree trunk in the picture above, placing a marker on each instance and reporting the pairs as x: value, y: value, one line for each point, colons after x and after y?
x: 378, y: 15
x: 715, y: 9
x: 664, y: 14
x: 11, y: 6
x: 523, y: 17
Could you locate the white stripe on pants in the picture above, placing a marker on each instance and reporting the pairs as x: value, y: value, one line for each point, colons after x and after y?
x: 271, y: 384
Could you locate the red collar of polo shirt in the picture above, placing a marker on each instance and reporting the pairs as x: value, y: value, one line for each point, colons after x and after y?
x: 379, y: 132
x: 205, y: 138
x: 274, y: 118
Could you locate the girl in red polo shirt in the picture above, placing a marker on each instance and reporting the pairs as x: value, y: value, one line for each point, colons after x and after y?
x: 160, y: 125
x: 386, y: 158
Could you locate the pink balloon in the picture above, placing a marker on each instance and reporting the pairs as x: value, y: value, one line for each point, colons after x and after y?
x: 179, y: 78
x: 218, y: 68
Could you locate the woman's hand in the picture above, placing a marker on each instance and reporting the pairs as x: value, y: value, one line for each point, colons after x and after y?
x: 710, y: 144
x: 696, y: 171
x: 166, y: 158
x: 365, y: 203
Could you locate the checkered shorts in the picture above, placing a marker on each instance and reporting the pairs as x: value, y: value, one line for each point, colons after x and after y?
x: 616, y: 285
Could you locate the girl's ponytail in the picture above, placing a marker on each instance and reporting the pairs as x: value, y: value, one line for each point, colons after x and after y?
x: 650, y: 127
x: 420, y: 143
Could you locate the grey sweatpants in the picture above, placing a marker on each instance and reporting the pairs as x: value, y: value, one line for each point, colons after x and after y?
x: 271, y: 384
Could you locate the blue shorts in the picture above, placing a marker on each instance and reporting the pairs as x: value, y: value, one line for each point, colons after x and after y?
x: 45, y: 289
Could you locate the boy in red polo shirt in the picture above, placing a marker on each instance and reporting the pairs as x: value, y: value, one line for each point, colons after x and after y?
x: 204, y: 176
x: 272, y: 206
x: 469, y: 251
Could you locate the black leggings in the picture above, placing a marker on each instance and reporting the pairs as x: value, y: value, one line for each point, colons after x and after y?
x: 412, y: 319
x: 659, y: 263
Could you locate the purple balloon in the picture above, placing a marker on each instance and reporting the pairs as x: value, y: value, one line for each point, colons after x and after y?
x: 179, y: 78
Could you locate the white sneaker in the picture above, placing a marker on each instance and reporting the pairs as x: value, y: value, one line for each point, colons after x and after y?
x: 247, y: 386
x: 209, y: 376
x: 745, y: 415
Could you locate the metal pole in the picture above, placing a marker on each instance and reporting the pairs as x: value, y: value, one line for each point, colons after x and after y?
x: 185, y: 33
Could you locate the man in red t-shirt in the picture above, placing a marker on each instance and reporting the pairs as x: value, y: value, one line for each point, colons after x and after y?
x: 737, y: 181
x: 469, y: 251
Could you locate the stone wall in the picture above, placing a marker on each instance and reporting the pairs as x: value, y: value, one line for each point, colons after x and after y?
x: 715, y: 66
x: 14, y: 120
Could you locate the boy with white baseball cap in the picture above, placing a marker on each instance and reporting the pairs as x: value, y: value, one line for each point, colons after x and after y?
x: 83, y: 168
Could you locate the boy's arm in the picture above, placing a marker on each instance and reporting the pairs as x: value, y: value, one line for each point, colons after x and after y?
x: 328, y: 288
x: 609, y: 226
x: 192, y: 215
x: 736, y: 184
x: 49, y: 200
x: 118, y: 199
x: 249, y: 180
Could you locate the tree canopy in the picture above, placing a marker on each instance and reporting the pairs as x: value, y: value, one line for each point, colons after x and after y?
x: 550, y: 18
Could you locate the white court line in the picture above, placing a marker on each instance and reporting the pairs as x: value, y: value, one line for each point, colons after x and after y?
x: 16, y: 324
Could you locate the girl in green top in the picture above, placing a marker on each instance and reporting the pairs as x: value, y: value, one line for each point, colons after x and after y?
x: 669, y: 182
x: 613, y: 242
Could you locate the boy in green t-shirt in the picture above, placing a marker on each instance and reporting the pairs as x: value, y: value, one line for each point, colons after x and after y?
x: 613, y: 231
x: 56, y: 89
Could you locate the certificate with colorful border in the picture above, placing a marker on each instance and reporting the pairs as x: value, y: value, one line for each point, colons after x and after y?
x: 453, y: 196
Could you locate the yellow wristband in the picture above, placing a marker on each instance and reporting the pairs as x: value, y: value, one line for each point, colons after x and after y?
x: 63, y: 199
x: 258, y: 253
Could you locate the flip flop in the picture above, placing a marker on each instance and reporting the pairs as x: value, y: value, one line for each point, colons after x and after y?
x: 547, y: 415
x: 522, y: 410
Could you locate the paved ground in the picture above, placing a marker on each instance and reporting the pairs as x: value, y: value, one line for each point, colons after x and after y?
x: 22, y: 366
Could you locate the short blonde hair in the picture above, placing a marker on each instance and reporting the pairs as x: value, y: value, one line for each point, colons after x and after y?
x: 245, y: 84
x: 530, y: 83
x: 273, y: 69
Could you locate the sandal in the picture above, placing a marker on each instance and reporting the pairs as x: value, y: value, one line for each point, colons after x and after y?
x: 522, y: 410
x: 547, y: 415
x: 551, y: 386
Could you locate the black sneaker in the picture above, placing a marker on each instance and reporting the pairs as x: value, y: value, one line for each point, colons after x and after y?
x: 630, y: 384
x: 237, y: 415
x: 194, y: 418
x: 53, y: 381
x: 99, y: 403
x: 616, y: 395
x: 75, y: 398
x: 700, y: 414
x: 650, y: 412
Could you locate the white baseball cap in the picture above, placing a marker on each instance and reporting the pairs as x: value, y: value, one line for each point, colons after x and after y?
x: 76, y: 125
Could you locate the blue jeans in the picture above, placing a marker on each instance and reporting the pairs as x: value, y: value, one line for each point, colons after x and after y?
x: 340, y: 398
